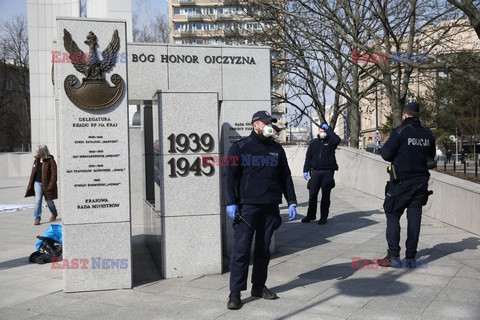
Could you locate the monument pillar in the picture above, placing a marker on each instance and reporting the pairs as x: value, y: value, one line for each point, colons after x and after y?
x: 94, y: 155
x: 189, y: 184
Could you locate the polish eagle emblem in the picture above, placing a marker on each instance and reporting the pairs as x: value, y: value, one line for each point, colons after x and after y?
x: 94, y: 92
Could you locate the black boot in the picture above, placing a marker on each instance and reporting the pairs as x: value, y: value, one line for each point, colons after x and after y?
x: 234, y: 301
x: 264, y: 292
x: 409, y: 263
x: 392, y: 259
x: 322, y: 221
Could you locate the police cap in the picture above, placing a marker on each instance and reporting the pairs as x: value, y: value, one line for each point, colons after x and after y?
x: 263, y: 116
x: 412, y: 109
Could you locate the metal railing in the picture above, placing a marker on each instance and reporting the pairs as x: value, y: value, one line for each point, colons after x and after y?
x: 469, y: 165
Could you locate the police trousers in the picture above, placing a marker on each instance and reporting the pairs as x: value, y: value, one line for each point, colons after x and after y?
x: 263, y: 219
x: 320, y: 179
x: 411, y: 194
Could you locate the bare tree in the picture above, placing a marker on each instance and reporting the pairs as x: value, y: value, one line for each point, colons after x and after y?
x: 320, y: 37
x: 149, y: 25
x: 471, y: 11
x: 14, y: 82
x: 317, y: 62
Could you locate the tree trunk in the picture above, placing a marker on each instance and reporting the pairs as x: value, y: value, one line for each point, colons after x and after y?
x: 353, y: 124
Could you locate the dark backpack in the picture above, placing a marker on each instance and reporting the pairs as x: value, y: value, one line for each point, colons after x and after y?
x: 47, y: 250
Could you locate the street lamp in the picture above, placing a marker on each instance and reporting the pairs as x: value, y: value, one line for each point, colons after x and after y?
x: 376, y: 110
x: 377, y: 137
x: 456, y: 146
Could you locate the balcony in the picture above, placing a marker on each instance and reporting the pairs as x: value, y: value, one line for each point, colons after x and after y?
x: 224, y: 17
x: 194, y: 17
x: 278, y: 108
x: 232, y: 32
x: 232, y: 2
x: 187, y: 32
x: 186, y: 2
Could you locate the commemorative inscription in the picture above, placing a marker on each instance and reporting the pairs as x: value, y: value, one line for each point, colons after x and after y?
x: 95, y: 169
x: 176, y: 58
x: 240, y: 130
x: 184, y: 143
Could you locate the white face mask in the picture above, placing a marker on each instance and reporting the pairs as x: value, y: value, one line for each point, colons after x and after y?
x: 267, y: 131
x: 322, y: 135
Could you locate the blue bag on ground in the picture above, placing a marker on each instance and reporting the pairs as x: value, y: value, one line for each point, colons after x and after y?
x: 54, y: 232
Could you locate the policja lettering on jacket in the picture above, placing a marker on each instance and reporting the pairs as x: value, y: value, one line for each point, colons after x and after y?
x: 418, y: 142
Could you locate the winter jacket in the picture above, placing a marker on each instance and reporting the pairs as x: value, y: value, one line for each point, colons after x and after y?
x: 49, y: 179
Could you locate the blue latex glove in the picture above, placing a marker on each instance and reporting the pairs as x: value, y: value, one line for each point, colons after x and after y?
x: 232, y: 210
x: 324, y: 126
x: 292, y: 212
x: 305, y: 175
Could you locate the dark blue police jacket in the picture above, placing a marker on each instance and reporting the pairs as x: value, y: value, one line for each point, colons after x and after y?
x: 321, y: 153
x: 257, y: 173
x: 408, y: 147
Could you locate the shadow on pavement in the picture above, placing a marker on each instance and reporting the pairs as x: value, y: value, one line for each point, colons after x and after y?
x: 441, y: 250
x: 307, y: 235
x: 19, y: 262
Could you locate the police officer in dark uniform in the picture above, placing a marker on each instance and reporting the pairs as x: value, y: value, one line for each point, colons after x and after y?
x: 408, y: 149
x: 321, y: 162
x: 254, y: 180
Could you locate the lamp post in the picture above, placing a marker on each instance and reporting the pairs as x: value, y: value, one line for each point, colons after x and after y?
x: 376, y: 110
x: 377, y: 140
x: 456, y: 146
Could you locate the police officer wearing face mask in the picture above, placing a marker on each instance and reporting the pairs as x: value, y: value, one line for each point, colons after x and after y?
x: 321, y: 162
x: 254, y: 181
x: 408, y: 149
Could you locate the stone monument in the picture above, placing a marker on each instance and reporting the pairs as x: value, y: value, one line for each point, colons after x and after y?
x: 94, y: 154
x: 190, y: 186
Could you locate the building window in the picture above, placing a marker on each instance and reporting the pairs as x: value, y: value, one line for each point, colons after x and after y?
x: 176, y: 11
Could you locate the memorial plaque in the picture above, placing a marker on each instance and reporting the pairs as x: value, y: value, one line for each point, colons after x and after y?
x: 94, y: 152
x: 236, y: 119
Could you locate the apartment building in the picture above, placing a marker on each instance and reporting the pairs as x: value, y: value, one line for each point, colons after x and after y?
x: 222, y: 22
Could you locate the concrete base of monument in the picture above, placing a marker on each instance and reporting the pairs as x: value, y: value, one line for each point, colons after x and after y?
x: 98, y: 257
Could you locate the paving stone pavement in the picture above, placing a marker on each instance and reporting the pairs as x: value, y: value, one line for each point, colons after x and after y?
x: 311, y: 272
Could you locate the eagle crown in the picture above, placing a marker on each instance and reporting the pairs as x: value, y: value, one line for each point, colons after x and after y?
x: 93, y: 68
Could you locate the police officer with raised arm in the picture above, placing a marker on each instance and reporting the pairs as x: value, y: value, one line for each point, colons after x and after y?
x: 320, y: 164
x: 408, y: 149
x: 256, y: 177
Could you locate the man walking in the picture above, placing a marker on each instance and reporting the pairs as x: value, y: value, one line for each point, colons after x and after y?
x: 321, y: 162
